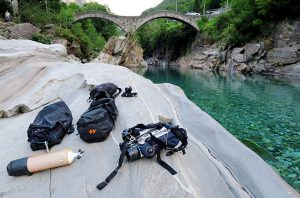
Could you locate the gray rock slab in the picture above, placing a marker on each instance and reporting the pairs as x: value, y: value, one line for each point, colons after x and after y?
x: 23, y: 31
x: 291, y: 70
x: 283, y: 56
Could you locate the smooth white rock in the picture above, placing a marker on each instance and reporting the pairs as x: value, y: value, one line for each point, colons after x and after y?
x: 216, y: 163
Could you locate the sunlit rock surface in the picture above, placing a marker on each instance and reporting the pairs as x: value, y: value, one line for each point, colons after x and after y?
x: 216, y: 163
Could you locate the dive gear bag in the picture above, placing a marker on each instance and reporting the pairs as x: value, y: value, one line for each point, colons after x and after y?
x: 147, y: 141
x: 96, y: 123
x: 105, y: 90
x: 51, y: 124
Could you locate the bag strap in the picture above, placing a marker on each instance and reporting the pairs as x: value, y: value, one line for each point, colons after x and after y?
x: 161, y: 144
x: 114, y: 173
x: 164, y: 164
x: 101, y: 102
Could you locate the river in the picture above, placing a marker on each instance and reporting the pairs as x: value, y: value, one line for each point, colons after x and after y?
x: 261, y: 111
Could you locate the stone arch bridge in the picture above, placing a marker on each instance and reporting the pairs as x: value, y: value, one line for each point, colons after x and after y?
x: 133, y: 23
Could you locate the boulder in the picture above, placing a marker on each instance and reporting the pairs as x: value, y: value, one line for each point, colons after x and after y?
x: 62, y: 41
x: 243, y: 68
x: 251, y: 50
x: 238, y: 55
x: 283, y: 56
x: 295, y: 36
x: 246, y: 53
x: 75, y: 49
x: 73, y: 58
x: 22, y: 31
x: 286, y: 32
x: 122, y: 51
x: 213, y: 50
x: 291, y: 70
x: 215, y: 165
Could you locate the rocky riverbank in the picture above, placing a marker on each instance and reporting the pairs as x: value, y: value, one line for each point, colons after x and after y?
x: 216, y: 163
x: 278, y: 54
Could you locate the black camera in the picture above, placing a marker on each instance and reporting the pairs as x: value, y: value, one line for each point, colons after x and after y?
x: 128, y: 92
x: 138, y: 151
x: 128, y: 89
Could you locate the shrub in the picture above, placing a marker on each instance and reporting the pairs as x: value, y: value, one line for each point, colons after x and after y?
x: 41, y: 38
x: 64, y: 33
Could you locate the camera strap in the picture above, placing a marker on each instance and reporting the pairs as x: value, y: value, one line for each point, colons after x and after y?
x: 114, y: 173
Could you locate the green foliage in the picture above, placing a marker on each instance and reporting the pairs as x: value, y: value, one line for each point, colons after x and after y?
x: 211, y: 4
x: 39, y: 12
x: 197, y: 5
x: 246, y: 19
x: 270, y: 9
x: 41, y: 38
x: 95, y: 7
x: 91, y: 35
x: 66, y: 15
x: 183, y: 6
x: 88, y: 38
x: 64, y: 33
x: 169, y: 36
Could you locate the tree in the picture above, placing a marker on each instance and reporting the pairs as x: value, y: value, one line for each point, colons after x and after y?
x: 197, y: 5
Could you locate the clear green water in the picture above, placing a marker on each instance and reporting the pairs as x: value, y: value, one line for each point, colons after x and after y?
x: 263, y: 112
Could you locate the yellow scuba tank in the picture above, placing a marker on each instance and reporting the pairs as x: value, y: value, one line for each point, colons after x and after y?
x: 33, y: 164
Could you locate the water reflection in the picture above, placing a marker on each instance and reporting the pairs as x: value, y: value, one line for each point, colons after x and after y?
x: 262, y: 111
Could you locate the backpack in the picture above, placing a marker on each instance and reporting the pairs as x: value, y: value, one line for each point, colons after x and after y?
x: 96, y: 123
x: 105, y: 90
x: 146, y: 141
x: 49, y: 127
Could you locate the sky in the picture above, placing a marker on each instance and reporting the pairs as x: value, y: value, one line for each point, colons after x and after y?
x: 129, y: 7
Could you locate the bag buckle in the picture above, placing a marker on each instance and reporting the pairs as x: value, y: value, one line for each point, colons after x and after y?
x: 46, y: 145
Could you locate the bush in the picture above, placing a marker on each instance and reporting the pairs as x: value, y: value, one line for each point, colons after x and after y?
x: 41, y: 38
x: 64, y: 33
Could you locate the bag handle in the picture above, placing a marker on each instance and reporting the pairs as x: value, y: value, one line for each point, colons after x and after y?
x: 116, y: 94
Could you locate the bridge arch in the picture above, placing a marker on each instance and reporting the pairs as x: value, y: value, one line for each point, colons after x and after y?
x: 100, y: 15
x: 187, y: 20
x: 133, y: 23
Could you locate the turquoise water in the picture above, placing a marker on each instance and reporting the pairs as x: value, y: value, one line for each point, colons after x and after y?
x: 263, y: 112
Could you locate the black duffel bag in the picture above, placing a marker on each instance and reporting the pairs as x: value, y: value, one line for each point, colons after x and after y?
x: 98, y: 121
x: 51, y: 124
x: 104, y: 90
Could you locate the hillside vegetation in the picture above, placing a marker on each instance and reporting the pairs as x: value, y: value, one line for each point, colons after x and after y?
x: 246, y: 21
x: 165, y: 37
x: 88, y: 36
x: 184, y: 6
